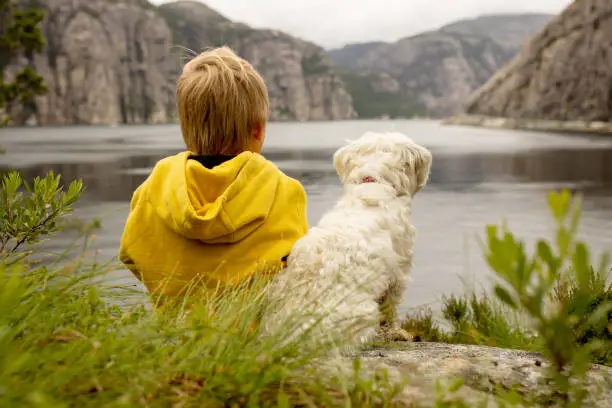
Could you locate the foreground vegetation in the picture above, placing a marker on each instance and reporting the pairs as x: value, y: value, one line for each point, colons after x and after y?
x: 554, y: 301
x: 66, y: 339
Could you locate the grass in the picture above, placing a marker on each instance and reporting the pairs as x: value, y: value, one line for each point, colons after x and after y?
x: 480, y: 319
x: 62, y: 343
x: 471, y: 319
x: 553, y: 301
x: 67, y: 339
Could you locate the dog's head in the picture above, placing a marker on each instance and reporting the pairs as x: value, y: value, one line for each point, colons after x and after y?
x: 387, y: 158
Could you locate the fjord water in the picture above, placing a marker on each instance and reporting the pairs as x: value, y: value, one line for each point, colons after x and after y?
x: 478, y: 177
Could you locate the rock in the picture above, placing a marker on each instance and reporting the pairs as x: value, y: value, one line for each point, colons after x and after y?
x: 562, y: 74
x: 435, y: 72
x: 117, y: 63
x: 104, y: 63
x: 538, y: 125
x: 510, y: 31
x: 483, y: 370
x: 384, y: 83
x: 299, y: 75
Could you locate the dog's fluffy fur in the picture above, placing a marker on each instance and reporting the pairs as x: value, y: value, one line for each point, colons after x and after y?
x: 346, y: 277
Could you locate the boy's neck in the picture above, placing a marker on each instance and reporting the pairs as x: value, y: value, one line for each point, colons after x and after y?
x: 210, y: 161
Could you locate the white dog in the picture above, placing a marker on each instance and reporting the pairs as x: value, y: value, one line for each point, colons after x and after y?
x: 346, y: 277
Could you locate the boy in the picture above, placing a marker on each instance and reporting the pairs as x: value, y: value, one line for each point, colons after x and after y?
x: 219, y: 213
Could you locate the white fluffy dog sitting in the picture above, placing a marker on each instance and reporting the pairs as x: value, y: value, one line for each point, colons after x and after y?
x: 346, y: 277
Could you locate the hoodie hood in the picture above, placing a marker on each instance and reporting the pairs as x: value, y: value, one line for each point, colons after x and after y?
x: 219, y: 205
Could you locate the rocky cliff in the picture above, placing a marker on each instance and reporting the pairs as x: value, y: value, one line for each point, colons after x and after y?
x: 299, y: 75
x: 113, y: 62
x: 510, y: 31
x: 104, y: 62
x: 433, y: 73
x: 563, y: 73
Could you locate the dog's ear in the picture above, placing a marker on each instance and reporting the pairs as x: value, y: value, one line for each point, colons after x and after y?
x: 419, y: 161
x: 342, y: 162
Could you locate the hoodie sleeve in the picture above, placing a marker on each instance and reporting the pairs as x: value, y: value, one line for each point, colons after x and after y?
x: 301, y: 207
x: 297, y: 202
x: 124, y: 256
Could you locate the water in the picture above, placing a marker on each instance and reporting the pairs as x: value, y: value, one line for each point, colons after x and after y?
x: 479, y: 176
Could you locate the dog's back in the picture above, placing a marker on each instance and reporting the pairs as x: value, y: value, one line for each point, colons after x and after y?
x: 360, y: 251
x: 336, y: 273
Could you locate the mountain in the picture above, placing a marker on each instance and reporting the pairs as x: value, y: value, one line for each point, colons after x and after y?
x: 351, y: 53
x: 563, y: 73
x: 299, y: 75
x: 510, y: 31
x: 116, y: 62
x: 432, y: 73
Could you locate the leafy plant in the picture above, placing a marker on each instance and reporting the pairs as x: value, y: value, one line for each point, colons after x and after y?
x: 28, y: 216
x: 530, y: 282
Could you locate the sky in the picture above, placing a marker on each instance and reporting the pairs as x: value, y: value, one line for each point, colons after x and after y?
x: 333, y: 23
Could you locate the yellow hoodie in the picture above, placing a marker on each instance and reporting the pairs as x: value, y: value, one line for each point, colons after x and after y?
x: 218, y: 226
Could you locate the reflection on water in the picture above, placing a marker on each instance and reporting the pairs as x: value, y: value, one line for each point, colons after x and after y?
x: 478, y: 177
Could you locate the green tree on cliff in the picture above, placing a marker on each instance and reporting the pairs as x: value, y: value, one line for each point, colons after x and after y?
x: 19, y: 35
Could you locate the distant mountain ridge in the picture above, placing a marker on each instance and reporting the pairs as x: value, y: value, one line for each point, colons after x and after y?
x: 433, y: 73
x: 116, y: 62
x: 510, y: 31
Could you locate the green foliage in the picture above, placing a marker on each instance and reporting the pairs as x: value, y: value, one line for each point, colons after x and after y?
x: 565, y: 300
x: 372, y: 104
x: 19, y: 34
x: 27, y: 216
x: 314, y: 65
x: 65, y: 344
x: 480, y: 320
x: 69, y: 338
x: 471, y: 319
x: 422, y: 324
x: 529, y: 286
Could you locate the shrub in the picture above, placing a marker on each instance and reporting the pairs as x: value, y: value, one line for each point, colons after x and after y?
x: 27, y: 218
x: 565, y: 300
x: 531, y: 286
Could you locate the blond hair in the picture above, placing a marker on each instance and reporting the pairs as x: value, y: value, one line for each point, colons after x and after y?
x: 221, y: 98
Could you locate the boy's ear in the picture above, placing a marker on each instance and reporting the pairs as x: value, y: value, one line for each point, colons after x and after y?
x: 258, y: 132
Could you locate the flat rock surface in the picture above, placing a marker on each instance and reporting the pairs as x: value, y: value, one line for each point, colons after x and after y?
x: 483, y: 370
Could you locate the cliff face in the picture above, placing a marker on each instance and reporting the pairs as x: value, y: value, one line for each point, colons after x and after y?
x: 508, y: 31
x: 563, y: 73
x: 299, y: 75
x: 435, y: 72
x: 105, y: 62
x: 117, y: 62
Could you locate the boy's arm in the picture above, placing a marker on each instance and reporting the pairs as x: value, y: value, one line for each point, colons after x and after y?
x: 299, y: 201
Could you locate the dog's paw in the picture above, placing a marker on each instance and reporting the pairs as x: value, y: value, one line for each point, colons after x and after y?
x: 392, y: 334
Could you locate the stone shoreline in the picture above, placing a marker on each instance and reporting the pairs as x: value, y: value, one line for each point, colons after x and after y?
x: 484, y: 371
x: 536, y: 125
